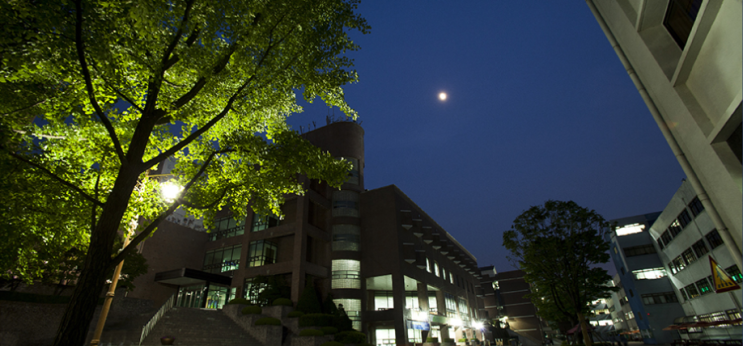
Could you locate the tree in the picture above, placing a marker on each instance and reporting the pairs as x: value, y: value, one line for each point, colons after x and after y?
x: 95, y: 93
x: 557, y: 246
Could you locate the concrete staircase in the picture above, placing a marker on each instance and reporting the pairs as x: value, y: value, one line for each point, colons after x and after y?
x: 203, y: 327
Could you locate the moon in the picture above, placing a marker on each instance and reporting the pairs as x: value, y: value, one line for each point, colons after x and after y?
x: 442, y: 96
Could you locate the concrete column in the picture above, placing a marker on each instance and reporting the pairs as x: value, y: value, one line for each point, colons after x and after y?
x: 422, y: 296
x: 300, y: 242
x: 398, y: 299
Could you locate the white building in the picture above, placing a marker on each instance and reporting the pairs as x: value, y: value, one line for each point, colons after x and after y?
x: 685, y: 57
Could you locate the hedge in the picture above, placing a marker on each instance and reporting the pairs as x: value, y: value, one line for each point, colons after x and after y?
x: 295, y: 313
x: 350, y: 337
x: 242, y: 301
x: 252, y: 310
x: 311, y: 332
x: 329, y: 330
x: 268, y: 321
x: 283, y: 302
x: 316, y: 320
x: 331, y: 343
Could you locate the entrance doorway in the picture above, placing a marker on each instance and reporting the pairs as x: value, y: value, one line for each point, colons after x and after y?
x: 190, y: 296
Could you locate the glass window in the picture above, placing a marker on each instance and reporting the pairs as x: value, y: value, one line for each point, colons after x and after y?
x: 689, y: 256
x: 346, y: 238
x: 451, y: 304
x: 675, y: 228
x: 649, y: 274
x: 639, y: 250
x: 222, y: 260
x: 714, y: 239
x: 666, y: 236
x: 692, y: 291
x: 353, y: 310
x: 703, y: 286
x: 383, y: 300
x: 679, y: 19
x: 345, y: 203
x: 672, y: 267
x: 262, y: 222
x: 353, y: 174
x: 659, y: 298
x: 684, y: 294
x: 428, y: 265
x: 696, y: 206
x: 346, y: 274
x: 700, y: 248
x: 660, y: 243
x: 679, y: 263
x: 261, y: 252
x: 684, y: 219
x: 451, y: 278
x: 225, y: 228
x: 463, y: 310
x: 436, y: 268
x: 432, y: 302
x: 734, y: 273
x: 411, y: 301
x: 384, y: 337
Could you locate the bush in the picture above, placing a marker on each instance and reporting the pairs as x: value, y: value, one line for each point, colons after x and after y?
x: 449, y: 340
x: 350, y: 337
x: 311, y: 332
x: 252, y: 310
x: 331, y: 343
x: 282, y: 302
x: 267, y: 321
x: 430, y: 339
x: 308, y: 302
x: 329, y: 330
x: 463, y: 340
x: 316, y: 320
x: 295, y: 313
x: 239, y: 301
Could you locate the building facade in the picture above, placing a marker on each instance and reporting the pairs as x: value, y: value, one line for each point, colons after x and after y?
x: 686, y: 238
x: 685, y: 59
x: 647, y: 300
x: 399, y: 275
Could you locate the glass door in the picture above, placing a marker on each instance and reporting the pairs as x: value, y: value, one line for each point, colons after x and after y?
x: 190, y: 296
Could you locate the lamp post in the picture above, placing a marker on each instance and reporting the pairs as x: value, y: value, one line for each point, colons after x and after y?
x: 170, y: 192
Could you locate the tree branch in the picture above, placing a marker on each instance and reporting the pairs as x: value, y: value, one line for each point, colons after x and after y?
x: 55, y: 177
x: 176, y: 204
x: 92, y: 213
x: 89, y: 84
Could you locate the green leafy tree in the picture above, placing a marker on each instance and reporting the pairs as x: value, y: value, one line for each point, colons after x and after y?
x: 95, y: 93
x: 557, y: 246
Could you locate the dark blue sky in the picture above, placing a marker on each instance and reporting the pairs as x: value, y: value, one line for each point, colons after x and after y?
x: 539, y: 108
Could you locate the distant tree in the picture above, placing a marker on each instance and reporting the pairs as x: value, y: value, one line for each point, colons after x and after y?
x: 558, y: 246
x: 96, y: 93
x: 309, y: 303
x: 328, y: 306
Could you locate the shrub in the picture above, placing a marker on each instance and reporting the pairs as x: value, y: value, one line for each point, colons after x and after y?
x: 239, y: 301
x: 295, y: 313
x: 350, y: 337
x: 311, y: 332
x: 331, y: 343
x: 252, y: 310
x: 316, y: 320
x: 268, y: 321
x: 430, y: 339
x: 308, y: 302
x: 329, y: 330
x: 463, y: 340
x: 282, y: 302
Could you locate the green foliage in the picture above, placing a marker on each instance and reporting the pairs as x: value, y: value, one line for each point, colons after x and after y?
x: 266, y: 289
x: 328, y: 306
x: 267, y: 321
x: 558, y: 246
x: 295, y: 314
x: 252, y: 310
x: 95, y: 94
x: 331, y: 343
x: 311, y: 332
x: 329, y: 330
x: 241, y: 301
x: 316, y: 320
x: 308, y: 301
x: 430, y: 339
x: 282, y: 302
x: 463, y: 340
x: 350, y: 337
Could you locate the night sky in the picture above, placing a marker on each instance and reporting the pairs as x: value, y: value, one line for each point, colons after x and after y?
x: 539, y: 107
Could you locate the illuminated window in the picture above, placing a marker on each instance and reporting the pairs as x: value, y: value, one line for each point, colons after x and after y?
x: 346, y: 238
x: 734, y: 273
x: 428, y: 265
x: 689, y: 256
x: 675, y: 228
x: 649, y: 274
x: 436, y: 268
x: 432, y: 302
x: 222, y: 260
x: 679, y: 263
x: 684, y: 219
x: 451, y: 304
x: 630, y: 229
x: 346, y: 274
x: 261, y: 252
x: 411, y: 301
x: 692, y: 291
x: 451, y: 278
x: 383, y: 300
x: 385, y: 337
x: 353, y: 310
x: 703, y: 286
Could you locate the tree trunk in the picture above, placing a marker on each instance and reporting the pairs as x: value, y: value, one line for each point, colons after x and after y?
x: 73, y: 329
x: 584, y: 329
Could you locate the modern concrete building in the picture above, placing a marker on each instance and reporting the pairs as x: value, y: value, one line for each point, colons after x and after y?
x: 685, y: 59
x: 504, y: 299
x: 685, y: 238
x: 399, y: 275
x: 647, y: 300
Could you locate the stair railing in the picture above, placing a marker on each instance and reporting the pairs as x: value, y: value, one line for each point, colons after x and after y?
x: 153, y: 321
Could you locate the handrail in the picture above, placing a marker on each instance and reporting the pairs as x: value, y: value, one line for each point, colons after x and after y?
x: 153, y: 321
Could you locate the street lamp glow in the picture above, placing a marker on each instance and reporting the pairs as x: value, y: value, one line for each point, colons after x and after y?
x: 477, y: 325
x: 170, y: 191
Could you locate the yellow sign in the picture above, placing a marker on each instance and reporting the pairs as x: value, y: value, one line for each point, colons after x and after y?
x: 720, y: 279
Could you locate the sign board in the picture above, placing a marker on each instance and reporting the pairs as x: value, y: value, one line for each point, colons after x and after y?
x: 419, y: 325
x: 720, y: 279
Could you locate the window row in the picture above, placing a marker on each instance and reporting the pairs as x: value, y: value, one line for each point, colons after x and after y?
x: 225, y: 228
x: 659, y: 298
x: 706, y: 285
x: 696, y: 251
x: 222, y: 260
x: 639, y: 250
x: 682, y: 220
x: 649, y: 274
